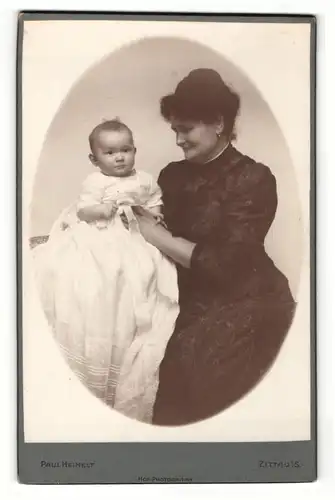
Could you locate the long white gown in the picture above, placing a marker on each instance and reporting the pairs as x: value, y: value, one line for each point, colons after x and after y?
x: 110, y: 297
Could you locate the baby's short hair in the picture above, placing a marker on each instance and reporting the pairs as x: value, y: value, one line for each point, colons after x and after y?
x: 115, y: 125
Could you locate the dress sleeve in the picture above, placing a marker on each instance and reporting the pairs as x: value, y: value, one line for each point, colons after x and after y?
x: 167, y: 184
x: 91, y: 193
x: 155, y: 195
x: 237, y: 241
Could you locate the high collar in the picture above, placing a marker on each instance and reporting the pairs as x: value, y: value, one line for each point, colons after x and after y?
x: 218, y: 154
x: 222, y: 158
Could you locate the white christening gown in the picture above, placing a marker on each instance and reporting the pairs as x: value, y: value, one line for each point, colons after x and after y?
x: 110, y: 297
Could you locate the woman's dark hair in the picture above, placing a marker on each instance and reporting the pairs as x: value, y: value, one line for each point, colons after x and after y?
x: 203, y: 96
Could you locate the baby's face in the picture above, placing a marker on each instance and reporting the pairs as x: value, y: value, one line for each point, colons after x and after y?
x: 114, y: 152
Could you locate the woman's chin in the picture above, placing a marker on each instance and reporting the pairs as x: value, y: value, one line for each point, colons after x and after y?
x: 190, y: 155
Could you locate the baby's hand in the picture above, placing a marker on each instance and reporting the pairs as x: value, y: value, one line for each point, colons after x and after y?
x: 101, y: 224
x: 109, y: 210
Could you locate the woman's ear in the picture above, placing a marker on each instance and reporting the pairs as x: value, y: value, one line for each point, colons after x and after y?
x: 219, y: 126
x: 93, y: 159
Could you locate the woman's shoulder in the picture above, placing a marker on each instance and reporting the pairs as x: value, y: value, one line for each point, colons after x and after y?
x: 247, y: 171
x: 173, y: 166
x: 171, y: 171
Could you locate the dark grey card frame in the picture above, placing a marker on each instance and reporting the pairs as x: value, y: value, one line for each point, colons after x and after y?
x: 143, y: 463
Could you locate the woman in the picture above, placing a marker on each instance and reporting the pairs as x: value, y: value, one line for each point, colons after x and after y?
x: 236, y: 306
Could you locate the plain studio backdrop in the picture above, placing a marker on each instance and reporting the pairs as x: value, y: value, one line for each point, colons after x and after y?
x: 129, y: 84
x: 76, y: 74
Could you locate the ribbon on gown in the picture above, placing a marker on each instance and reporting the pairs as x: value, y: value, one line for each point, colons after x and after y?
x: 140, y: 276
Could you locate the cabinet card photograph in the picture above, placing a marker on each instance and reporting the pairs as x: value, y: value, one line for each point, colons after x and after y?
x: 165, y: 167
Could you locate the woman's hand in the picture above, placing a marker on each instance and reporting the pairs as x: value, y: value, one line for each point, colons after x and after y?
x: 156, y: 218
x: 139, y: 213
x: 150, y: 227
x: 178, y: 249
x: 142, y: 212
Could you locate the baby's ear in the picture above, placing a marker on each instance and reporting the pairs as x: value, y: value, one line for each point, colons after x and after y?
x: 93, y: 159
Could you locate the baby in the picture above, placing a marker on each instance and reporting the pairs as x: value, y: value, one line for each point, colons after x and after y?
x: 111, y: 298
x: 113, y: 153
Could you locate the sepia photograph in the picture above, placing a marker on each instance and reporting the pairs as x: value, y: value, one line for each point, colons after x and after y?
x: 166, y: 173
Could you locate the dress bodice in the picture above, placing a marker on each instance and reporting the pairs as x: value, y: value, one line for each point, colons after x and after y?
x: 226, y: 207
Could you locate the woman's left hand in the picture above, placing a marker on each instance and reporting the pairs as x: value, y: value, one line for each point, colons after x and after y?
x: 178, y: 249
x: 148, y: 226
x: 143, y: 212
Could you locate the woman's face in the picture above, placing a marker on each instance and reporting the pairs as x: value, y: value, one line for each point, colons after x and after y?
x: 199, y: 141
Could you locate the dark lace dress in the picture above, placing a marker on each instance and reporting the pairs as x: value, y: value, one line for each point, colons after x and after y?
x: 236, y: 306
